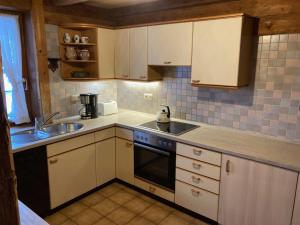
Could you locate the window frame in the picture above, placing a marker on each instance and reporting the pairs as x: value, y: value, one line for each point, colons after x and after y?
x: 24, y: 64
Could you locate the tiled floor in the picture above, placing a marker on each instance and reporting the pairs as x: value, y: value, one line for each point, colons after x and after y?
x: 118, y: 204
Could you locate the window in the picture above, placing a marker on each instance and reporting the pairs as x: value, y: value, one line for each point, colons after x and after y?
x: 12, y: 67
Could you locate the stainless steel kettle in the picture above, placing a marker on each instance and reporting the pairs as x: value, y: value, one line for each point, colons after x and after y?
x: 163, y: 116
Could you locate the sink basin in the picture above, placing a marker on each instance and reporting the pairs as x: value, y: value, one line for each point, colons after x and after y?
x: 61, y: 128
x: 48, y: 131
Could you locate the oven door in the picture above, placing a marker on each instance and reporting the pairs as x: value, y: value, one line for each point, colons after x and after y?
x: 155, y: 165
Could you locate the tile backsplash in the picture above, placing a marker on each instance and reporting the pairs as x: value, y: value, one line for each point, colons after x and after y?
x: 269, y: 105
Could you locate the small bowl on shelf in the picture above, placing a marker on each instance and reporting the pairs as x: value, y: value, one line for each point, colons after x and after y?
x: 80, y: 74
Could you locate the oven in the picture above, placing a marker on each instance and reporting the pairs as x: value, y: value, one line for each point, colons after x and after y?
x: 155, y: 159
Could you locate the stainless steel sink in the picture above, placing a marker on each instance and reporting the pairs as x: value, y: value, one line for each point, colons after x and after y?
x: 48, y: 131
x: 61, y: 128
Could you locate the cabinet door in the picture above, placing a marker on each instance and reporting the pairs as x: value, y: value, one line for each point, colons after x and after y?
x: 106, y: 160
x: 170, y: 44
x: 216, y: 51
x: 124, y: 160
x: 296, y: 214
x: 138, y: 53
x: 71, y: 174
x: 253, y: 193
x: 106, y: 53
x: 122, y: 54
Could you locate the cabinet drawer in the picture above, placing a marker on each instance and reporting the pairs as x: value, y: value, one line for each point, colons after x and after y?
x: 199, y: 154
x: 198, y: 167
x: 197, y: 200
x: 124, y: 133
x: 67, y: 145
x: 198, y: 180
x: 154, y: 189
x: 105, y: 134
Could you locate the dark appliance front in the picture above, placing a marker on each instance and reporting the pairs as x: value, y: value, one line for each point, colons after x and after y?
x: 155, y: 159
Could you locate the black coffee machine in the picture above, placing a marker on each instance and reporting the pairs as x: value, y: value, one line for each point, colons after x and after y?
x: 90, y: 106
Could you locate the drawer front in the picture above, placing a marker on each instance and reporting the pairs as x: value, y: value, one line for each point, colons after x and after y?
x: 198, y: 180
x: 198, y: 167
x: 154, y: 189
x: 199, y: 154
x: 105, y: 134
x: 197, y: 200
x: 124, y: 133
x: 67, y: 145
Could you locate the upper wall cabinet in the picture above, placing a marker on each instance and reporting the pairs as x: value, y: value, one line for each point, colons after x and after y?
x: 106, y: 56
x: 138, y: 55
x: 222, y: 51
x: 170, y: 44
x: 122, y: 54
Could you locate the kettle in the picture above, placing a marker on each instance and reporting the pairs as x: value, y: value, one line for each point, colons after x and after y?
x: 163, y: 116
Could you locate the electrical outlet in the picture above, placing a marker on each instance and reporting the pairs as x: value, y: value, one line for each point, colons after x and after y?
x: 148, y: 96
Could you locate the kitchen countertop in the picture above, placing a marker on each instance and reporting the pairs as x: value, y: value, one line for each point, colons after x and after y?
x: 237, y: 143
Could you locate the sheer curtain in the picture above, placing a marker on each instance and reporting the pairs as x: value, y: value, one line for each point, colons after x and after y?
x: 10, y: 42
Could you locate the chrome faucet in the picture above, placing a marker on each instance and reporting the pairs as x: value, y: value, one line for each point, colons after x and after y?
x: 39, y: 123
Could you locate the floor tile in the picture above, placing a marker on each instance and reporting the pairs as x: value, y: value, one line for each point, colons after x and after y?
x: 164, y: 206
x: 69, y: 222
x: 146, y: 198
x: 140, y: 221
x: 198, y: 222
x: 73, y: 209
x: 183, y: 216
x: 92, y: 199
x: 87, y: 217
x: 137, y: 205
x: 131, y: 191
x: 56, y: 219
x: 105, y: 207
x: 155, y: 214
x: 121, y: 197
x: 121, y: 216
x: 109, y: 190
x: 104, y: 221
x: 173, y: 220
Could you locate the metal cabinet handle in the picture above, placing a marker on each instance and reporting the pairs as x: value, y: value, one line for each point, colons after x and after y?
x: 195, y: 81
x: 195, y: 193
x: 53, y: 161
x: 196, y: 179
x: 143, y: 77
x: 128, y: 144
x: 197, y: 152
x: 228, y: 166
x: 168, y: 62
x: 152, y: 189
x: 125, y: 75
x: 196, y: 166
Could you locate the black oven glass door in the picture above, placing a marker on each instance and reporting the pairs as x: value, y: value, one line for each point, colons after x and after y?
x: 155, y: 165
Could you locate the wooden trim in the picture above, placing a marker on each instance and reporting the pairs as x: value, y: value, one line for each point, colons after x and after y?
x: 9, y: 214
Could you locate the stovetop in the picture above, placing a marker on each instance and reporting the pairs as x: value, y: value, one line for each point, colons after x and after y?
x: 174, y: 127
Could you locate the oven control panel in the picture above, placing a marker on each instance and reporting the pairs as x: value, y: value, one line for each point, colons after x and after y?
x: 154, y: 140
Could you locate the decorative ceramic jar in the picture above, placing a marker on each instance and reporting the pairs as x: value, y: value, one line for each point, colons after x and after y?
x: 67, y: 38
x: 84, y: 54
x: 76, y: 38
x: 71, y: 53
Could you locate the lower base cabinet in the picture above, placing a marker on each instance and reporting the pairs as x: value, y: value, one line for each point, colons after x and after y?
x: 106, y: 160
x: 71, y: 174
x: 253, y: 193
x: 124, y: 160
x: 197, y: 200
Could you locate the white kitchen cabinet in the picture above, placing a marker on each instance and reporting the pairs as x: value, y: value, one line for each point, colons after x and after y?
x: 124, y: 160
x: 122, y: 54
x: 222, y: 51
x: 105, y: 160
x: 296, y: 214
x: 139, y: 53
x: 170, y: 44
x: 71, y: 174
x: 253, y: 193
x: 106, y: 53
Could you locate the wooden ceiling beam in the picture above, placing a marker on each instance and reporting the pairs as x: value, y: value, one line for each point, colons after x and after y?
x: 68, y: 2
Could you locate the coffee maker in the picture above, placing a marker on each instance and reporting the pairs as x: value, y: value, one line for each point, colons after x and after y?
x: 90, y: 108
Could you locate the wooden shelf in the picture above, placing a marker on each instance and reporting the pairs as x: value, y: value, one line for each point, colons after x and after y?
x: 79, y: 61
x: 79, y: 44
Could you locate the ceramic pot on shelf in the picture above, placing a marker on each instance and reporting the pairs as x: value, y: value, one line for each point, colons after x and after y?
x: 84, y: 54
x: 71, y: 53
